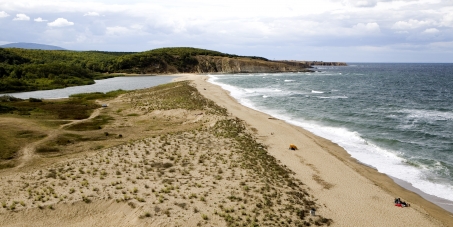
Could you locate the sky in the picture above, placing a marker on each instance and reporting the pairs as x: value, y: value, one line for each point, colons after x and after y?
x: 318, y: 30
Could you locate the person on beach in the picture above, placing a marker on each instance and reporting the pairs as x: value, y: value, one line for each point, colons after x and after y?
x: 400, y: 203
x: 312, y: 212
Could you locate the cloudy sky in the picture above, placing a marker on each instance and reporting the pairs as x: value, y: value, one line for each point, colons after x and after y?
x: 324, y: 30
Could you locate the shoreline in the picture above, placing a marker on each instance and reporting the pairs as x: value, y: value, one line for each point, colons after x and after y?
x: 127, y: 186
x: 324, y: 180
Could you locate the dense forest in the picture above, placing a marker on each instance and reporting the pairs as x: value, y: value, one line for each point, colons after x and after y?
x: 27, y: 70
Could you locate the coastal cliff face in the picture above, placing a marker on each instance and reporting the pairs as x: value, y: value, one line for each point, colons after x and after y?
x: 208, y: 64
x: 327, y: 63
x: 218, y: 64
x: 313, y: 63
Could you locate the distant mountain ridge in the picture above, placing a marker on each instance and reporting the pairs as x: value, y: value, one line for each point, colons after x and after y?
x: 32, y: 46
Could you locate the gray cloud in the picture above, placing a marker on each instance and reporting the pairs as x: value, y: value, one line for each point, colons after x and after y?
x: 270, y: 28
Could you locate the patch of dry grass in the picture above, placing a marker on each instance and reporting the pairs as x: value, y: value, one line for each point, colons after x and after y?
x: 12, y: 138
x: 206, y: 169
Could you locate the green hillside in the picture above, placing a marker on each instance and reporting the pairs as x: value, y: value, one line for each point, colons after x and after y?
x: 27, y: 70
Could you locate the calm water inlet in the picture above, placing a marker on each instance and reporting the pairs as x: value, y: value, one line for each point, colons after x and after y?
x: 106, y: 85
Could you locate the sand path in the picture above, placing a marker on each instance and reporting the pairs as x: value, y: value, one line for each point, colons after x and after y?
x: 28, y: 153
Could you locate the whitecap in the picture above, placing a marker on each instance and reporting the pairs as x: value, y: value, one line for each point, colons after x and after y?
x: 427, y: 115
x: 339, y: 97
x: 386, y: 161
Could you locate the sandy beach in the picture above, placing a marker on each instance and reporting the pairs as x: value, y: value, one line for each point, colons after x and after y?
x: 194, y: 164
x: 354, y: 194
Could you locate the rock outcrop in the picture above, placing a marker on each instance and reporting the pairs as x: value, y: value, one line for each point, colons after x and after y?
x: 219, y: 64
x: 208, y: 64
x: 313, y: 63
x: 327, y: 63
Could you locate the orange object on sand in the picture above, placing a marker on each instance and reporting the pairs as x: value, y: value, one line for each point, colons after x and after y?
x: 292, y: 147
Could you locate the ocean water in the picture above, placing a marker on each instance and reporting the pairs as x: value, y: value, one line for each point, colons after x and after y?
x: 397, y: 118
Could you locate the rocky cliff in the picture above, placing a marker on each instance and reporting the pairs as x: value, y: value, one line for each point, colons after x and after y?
x: 170, y: 64
x: 207, y: 64
x: 327, y: 63
x: 313, y: 63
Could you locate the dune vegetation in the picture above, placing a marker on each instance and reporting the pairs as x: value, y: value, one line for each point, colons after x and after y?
x: 167, y: 153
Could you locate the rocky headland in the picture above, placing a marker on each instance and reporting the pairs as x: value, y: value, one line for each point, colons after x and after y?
x: 315, y: 63
x: 209, y: 64
x: 28, y: 70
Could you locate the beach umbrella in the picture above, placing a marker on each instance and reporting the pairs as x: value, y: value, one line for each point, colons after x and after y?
x: 292, y: 147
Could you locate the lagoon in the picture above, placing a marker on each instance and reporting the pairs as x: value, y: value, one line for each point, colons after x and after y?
x: 106, y: 85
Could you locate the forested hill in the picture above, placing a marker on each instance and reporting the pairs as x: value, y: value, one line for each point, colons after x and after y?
x: 27, y: 70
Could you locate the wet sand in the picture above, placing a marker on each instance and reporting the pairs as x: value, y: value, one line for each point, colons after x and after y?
x: 188, y: 177
x: 354, y: 194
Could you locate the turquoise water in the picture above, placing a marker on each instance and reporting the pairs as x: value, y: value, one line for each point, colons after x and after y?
x: 397, y: 118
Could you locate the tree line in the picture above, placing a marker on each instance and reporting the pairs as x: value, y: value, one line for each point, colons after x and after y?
x: 27, y: 70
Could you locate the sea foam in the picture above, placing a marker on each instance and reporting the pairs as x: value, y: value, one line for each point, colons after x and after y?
x: 384, y: 160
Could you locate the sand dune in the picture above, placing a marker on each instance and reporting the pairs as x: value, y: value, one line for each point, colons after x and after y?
x: 213, y: 164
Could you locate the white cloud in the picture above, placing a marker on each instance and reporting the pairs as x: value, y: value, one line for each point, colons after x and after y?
x: 3, y: 14
x: 431, y: 31
x: 60, y: 22
x: 93, y: 14
x: 21, y: 16
x: 39, y: 19
x: 235, y: 26
x: 367, y: 28
x: 117, y: 30
x: 411, y: 24
x: 363, y: 3
x: 81, y: 38
x: 447, y: 19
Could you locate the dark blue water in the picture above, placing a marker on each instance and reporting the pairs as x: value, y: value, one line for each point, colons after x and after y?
x: 397, y: 118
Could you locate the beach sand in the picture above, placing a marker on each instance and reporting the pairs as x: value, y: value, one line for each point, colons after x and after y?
x: 354, y: 194
x: 199, y: 167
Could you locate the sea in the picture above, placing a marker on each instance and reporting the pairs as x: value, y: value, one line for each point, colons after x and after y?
x: 394, y: 117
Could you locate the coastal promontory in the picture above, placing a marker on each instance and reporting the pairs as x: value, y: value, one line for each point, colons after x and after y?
x: 31, y: 69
